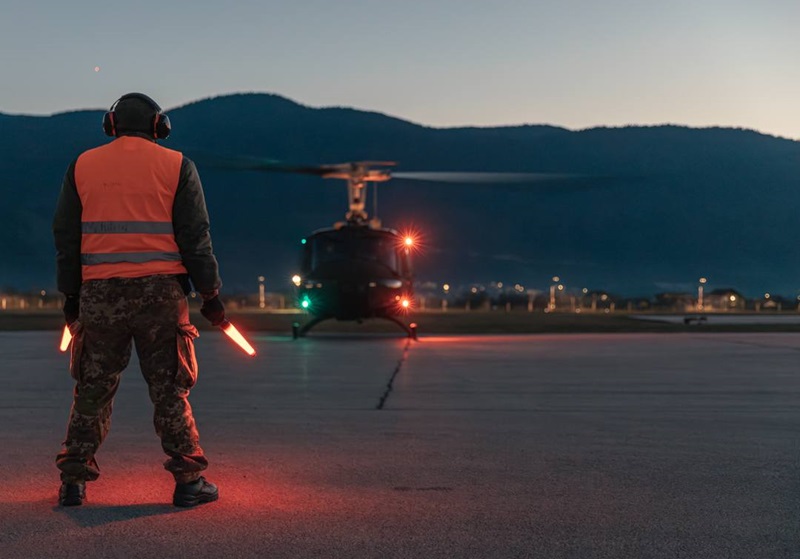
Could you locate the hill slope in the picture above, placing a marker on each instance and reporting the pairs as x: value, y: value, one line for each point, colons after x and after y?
x: 680, y: 202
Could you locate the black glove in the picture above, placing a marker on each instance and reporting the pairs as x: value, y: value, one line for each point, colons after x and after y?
x: 213, y: 310
x: 72, y: 308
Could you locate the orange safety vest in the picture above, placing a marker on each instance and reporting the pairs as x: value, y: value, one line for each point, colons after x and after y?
x: 127, y: 189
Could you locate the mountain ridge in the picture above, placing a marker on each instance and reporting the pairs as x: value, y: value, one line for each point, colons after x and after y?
x: 289, y: 101
x: 669, y: 203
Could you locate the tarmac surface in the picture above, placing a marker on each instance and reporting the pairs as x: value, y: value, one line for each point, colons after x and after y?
x: 722, y: 318
x: 580, y: 446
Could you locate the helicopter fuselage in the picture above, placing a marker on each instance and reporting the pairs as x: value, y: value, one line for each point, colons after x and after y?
x: 355, y: 272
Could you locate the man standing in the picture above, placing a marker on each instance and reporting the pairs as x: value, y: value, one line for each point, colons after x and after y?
x: 131, y: 228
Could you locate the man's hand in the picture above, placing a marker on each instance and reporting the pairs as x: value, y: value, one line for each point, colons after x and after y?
x: 72, y: 308
x: 213, y: 310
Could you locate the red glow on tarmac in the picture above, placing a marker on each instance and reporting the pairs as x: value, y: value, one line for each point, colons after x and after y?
x: 472, y: 339
x: 66, y: 338
x: 231, y: 331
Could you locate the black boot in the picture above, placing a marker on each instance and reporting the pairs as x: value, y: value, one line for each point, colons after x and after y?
x: 194, y: 493
x: 71, y: 494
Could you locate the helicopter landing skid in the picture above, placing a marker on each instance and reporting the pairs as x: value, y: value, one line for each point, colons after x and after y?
x: 410, y: 329
x: 300, y: 331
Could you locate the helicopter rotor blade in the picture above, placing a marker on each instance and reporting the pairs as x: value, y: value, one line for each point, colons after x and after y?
x: 374, y: 163
x: 250, y: 163
x: 245, y: 163
x: 240, y: 163
x: 486, y: 178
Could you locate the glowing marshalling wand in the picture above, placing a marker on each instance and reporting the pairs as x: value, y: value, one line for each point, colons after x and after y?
x: 66, y: 338
x: 234, y: 334
x: 229, y: 329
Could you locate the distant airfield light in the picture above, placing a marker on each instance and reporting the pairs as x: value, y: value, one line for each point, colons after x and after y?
x: 297, y: 280
x: 766, y: 295
x: 585, y: 290
x: 474, y: 290
x: 556, y: 279
x: 703, y: 280
x: 96, y: 69
x: 499, y: 285
x: 733, y: 298
x: 561, y: 287
x: 446, y: 288
x: 303, y: 241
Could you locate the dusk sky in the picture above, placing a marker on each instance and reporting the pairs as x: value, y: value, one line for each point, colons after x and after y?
x: 437, y: 62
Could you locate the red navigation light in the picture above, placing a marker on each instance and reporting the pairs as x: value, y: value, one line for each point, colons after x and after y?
x: 234, y: 334
x: 66, y: 338
x: 405, y: 303
x: 410, y: 240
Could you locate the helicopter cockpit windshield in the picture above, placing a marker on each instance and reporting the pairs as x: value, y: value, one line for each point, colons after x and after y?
x: 330, y: 249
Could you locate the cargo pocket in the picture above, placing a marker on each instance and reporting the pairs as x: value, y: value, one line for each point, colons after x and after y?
x: 187, y: 362
x: 76, y: 329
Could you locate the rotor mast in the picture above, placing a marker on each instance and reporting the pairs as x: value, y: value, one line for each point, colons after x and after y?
x: 358, y: 175
x: 357, y: 200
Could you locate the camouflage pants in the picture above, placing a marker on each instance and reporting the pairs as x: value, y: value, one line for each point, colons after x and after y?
x: 152, y: 312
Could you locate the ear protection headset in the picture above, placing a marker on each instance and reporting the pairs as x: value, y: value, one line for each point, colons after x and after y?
x: 161, y: 125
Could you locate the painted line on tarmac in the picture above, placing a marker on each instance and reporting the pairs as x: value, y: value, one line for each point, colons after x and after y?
x: 390, y: 384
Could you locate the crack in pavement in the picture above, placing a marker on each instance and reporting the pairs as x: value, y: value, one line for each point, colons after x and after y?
x: 390, y: 384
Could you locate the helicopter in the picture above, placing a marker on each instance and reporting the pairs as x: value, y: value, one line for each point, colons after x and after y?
x: 357, y: 269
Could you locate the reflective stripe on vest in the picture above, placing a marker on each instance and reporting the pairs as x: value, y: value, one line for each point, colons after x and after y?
x: 119, y: 227
x: 127, y: 189
x: 135, y: 257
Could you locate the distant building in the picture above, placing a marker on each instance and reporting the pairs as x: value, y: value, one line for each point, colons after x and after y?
x: 680, y: 302
x: 726, y: 299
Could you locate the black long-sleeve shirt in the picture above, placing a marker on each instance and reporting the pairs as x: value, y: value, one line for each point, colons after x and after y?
x: 190, y: 223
